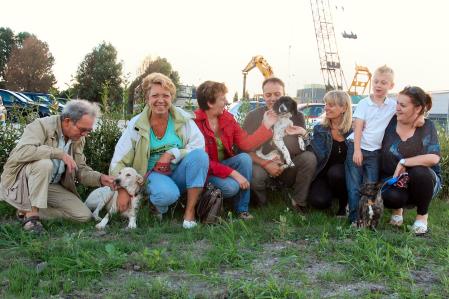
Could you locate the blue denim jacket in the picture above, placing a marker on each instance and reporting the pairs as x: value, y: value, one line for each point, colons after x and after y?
x: 322, y: 145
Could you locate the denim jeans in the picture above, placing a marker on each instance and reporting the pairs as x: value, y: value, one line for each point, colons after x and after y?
x: 191, y: 172
x: 356, y: 175
x: 229, y: 187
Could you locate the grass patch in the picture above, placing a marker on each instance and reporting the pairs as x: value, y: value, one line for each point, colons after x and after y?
x: 278, y: 255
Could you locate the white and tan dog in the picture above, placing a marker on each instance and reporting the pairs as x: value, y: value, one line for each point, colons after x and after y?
x: 128, y: 179
x: 285, y: 108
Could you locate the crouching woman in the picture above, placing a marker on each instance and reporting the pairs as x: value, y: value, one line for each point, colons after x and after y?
x: 165, y: 142
x: 415, y: 151
x: 329, y: 146
x: 229, y: 172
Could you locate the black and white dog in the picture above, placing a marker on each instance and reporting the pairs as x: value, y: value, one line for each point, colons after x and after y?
x: 285, y: 108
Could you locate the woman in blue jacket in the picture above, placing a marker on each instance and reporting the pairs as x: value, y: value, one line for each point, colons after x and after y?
x: 329, y: 145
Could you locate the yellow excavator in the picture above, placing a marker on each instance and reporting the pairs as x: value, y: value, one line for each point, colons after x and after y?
x: 263, y: 66
x: 361, y: 80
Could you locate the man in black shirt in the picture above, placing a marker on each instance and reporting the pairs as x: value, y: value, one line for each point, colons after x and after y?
x: 298, y: 177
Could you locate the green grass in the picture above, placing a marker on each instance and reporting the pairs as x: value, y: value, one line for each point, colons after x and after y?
x: 278, y: 255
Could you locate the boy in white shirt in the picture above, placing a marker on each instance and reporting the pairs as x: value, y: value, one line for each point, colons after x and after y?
x: 371, y: 117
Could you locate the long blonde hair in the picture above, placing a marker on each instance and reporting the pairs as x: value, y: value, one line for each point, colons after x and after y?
x: 342, y: 99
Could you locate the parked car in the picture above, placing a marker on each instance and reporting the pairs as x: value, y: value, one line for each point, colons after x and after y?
x: 323, y: 115
x: 19, y: 104
x: 312, y: 112
x: 234, y: 108
x: 45, y: 99
x: 3, y: 112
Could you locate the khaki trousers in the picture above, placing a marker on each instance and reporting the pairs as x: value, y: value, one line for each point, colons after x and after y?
x: 53, y: 200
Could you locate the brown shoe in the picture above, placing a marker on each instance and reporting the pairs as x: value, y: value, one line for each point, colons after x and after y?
x: 245, y: 216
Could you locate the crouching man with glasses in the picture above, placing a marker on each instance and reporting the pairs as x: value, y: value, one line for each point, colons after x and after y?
x: 39, y: 176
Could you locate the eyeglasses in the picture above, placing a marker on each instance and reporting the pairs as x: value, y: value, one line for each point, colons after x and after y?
x: 83, y: 130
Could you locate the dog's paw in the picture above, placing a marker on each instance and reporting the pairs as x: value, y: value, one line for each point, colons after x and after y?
x: 131, y: 226
x: 100, y: 226
x: 96, y: 217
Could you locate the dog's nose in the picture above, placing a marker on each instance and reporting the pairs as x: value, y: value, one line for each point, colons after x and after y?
x: 283, y: 109
x: 117, y: 181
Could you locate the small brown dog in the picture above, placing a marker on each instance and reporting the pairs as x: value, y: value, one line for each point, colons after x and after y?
x: 371, y: 205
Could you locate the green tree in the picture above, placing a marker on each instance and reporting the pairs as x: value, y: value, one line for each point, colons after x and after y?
x: 148, y: 66
x: 99, y: 68
x: 29, y: 67
x: 236, y: 97
x: 7, y: 43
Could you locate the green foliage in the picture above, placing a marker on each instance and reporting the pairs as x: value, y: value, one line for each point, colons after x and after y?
x: 101, y: 143
x: 374, y: 258
x: 243, y: 111
x: 10, y: 133
x: 7, y: 42
x: 236, y: 97
x: 443, y: 138
x: 98, y: 68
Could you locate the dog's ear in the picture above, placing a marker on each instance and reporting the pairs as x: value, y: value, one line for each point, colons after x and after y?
x: 294, y: 108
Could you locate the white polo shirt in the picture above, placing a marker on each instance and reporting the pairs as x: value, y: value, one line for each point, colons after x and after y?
x: 376, y: 120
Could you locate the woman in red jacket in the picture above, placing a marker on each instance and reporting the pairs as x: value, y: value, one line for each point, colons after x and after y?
x: 229, y: 172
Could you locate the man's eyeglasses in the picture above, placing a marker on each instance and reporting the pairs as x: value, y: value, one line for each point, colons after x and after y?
x: 83, y: 130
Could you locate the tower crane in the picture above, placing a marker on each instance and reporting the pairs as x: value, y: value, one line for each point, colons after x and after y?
x: 327, y: 45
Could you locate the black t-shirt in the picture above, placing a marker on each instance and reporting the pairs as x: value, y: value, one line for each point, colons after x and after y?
x: 253, y: 121
x: 424, y: 141
x: 337, y: 155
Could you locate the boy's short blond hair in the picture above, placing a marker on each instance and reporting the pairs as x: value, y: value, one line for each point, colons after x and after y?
x: 385, y: 69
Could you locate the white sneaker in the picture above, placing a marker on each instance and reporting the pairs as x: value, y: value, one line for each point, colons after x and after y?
x: 188, y: 224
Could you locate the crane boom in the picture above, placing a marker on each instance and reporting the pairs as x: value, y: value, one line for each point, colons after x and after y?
x: 263, y: 66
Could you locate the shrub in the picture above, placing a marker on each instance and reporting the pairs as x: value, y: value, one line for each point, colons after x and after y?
x: 443, y: 137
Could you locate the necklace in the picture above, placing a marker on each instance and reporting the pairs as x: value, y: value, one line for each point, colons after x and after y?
x: 159, y: 129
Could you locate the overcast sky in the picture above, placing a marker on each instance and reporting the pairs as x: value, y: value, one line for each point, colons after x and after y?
x: 214, y: 40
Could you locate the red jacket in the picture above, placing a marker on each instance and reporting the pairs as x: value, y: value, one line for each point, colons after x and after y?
x: 230, y: 134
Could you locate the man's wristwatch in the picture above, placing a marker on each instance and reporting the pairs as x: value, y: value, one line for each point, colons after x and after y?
x: 402, y: 162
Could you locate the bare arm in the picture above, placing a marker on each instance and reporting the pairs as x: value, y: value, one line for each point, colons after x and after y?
x: 427, y: 160
x: 358, y: 127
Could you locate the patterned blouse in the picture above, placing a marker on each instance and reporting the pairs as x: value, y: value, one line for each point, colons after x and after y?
x: 424, y: 141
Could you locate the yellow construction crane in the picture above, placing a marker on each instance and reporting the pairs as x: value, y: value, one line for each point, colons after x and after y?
x: 361, y: 80
x: 263, y: 66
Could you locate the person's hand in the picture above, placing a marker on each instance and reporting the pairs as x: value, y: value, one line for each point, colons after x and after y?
x: 269, y: 119
x: 399, y: 170
x: 274, y: 169
x: 69, y: 162
x: 123, y: 200
x: 295, y: 130
x: 166, y: 158
x: 357, y: 157
x: 107, y: 180
x: 241, y: 180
